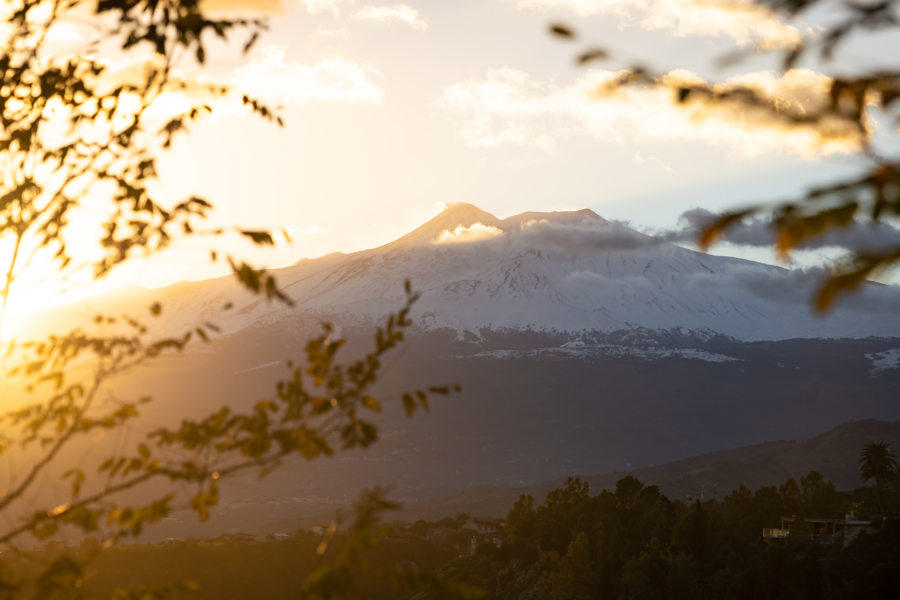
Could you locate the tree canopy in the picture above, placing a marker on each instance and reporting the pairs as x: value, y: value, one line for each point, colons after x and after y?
x: 877, y: 461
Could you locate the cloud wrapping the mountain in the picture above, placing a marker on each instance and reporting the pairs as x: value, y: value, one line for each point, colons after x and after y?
x: 773, y: 284
x: 744, y: 21
x: 508, y: 107
x: 584, y: 237
x: 589, y: 282
x: 588, y: 236
x: 792, y: 286
x: 580, y: 237
x: 758, y: 233
x: 477, y: 232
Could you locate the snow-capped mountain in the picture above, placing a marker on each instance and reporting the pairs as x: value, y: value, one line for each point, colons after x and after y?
x: 566, y: 272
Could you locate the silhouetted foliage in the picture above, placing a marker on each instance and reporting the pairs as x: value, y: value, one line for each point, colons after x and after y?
x: 72, y: 130
x: 636, y: 543
x: 630, y: 542
x: 877, y: 461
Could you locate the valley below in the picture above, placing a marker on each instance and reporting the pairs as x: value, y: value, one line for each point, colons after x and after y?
x: 535, y: 408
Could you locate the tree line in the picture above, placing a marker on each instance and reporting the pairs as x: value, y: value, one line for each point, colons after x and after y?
x: 631, y: 542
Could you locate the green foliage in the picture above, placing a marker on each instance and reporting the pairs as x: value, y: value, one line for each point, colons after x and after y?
x: 844, y: 113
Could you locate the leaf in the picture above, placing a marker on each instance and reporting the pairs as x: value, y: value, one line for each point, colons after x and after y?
x: 793, y: 229
x: 792, y: 56
x: 371, y: 403
x: 250, y: 42
x: 200, y: 506
x: 712, y: 232
x: 561, y: 31
x: 591, y: 55
x: 260, y: 238
x: 851, y: 275
x: 409, y: 405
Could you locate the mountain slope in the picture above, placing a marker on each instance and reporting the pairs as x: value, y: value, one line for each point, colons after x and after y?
x: 569, y: 272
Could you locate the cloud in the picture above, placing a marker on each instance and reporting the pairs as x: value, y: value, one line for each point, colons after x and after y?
x: 330, y: 32
x: 65, y: 32
x: 640, y: 159
x: 586, y: 236
x: 580, y: 7
x: 590, y: 282
x: 773, y: 284
x: 266, y: 7
x: 274, y: 77
x: 589, y: 236
x: 508, y: 107
x: 578, y: 235
x: 477, y: 232
x: 744, y: 21
x: 269, y: 76
x: 791, y: 286
x: 314, y: 229
x: 758, y: 233
x: 321, y: 6
x: 312, y: 7
x: 397, y: 13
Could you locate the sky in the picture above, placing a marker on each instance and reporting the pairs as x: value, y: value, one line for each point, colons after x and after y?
x: 393, y: 110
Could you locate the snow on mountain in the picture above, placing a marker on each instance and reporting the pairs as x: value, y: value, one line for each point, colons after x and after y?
x: 886, y: 360
x: 558, y: 271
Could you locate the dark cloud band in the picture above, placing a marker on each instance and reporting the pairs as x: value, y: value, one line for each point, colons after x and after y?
x: 758, y: 233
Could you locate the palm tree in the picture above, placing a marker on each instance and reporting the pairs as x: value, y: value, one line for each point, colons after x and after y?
x: 877, y: 462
